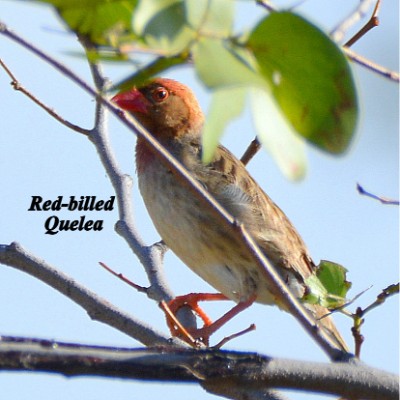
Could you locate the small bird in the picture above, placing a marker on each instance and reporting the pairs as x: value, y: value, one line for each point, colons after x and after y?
x: 170, y: 112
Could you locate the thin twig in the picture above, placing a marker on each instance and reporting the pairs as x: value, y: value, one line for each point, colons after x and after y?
x: 227, y: 339
x: 343, y: 307
x: 15, y: 256
x: 356, y: 331
x: 381, y: 298
x: 358, y: 316
x: 372, y: 23
x: 17, y: 86
x: 338, y: 33
x: 383, y: 200
x: 123, y: 278
x: 267, y: 4
x: 387, y: 73
x: 151, y: 257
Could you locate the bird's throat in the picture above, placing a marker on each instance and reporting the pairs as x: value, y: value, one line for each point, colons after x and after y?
x: 144, y: 155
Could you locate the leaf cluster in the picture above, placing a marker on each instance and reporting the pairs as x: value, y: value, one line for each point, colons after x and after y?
x: 297, y: 80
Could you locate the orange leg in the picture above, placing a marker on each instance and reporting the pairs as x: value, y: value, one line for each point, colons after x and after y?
x: 202, y: 334
x: 191, y: 300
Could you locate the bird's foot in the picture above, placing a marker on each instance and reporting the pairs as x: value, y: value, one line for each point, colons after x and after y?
x: 198, y: 337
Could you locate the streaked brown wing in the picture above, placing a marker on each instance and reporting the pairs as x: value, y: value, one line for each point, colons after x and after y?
x: 267, y: 223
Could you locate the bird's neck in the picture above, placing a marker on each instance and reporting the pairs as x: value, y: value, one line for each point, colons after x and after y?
x: 183, y: 148
x: 144, y: 155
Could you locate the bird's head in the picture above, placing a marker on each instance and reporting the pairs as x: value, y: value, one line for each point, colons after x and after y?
x: 166, y: 108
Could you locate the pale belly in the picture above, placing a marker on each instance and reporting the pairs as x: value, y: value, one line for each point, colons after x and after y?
x: 192, y: 234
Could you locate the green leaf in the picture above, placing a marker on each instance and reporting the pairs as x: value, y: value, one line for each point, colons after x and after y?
x: 103, y: 21
x: 98, y: 54
x: 163, y: 25
x: 310, y: 79
x: 226, y: 104
x: 228, y: 75
x: 333, y: 277
x: 138, y: 78
x: 328, y: 287
x: 219, y: 63
x: 211, y: 17
x: 277, y: 135
x: 317, y: 293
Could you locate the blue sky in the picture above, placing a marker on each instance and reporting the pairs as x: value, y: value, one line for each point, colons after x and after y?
x: 41, y: 157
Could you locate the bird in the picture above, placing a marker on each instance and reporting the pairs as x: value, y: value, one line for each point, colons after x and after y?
x: 171, y: 113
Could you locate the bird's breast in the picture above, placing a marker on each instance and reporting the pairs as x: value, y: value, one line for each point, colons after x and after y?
x: 192, y: 233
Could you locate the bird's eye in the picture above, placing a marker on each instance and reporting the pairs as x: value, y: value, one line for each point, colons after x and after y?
x: 160, y: 94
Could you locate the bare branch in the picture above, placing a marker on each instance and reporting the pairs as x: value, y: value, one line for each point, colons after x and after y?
x: 151, y: 257
x: 219, y: 372
x: 227, y: 339
x: 338, y: 33
x: 17, y: 86
x: 382, y: 297
x: 355, y: 330
x: 358, y: 316
x: 123, y: 278
x: 99, y: 309
x: 392, y: 75
x: 372, y: 23
x: 383, y: 200
x: 267, y: 4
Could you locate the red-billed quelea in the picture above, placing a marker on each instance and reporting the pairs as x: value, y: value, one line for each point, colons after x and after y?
x: 171, y: 113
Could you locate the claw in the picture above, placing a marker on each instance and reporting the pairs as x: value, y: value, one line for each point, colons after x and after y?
x: 200, y: 336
